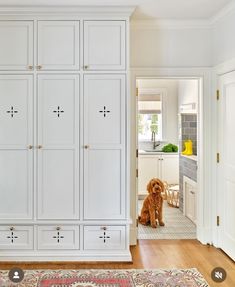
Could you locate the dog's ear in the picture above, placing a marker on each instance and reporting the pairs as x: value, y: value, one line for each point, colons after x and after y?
x: 161, y: 185
x: 149, y: 186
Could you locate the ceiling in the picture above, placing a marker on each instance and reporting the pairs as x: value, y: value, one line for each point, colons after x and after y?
x: 146, y: 9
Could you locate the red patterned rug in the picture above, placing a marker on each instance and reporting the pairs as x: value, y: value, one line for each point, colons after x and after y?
x: 108, y: 278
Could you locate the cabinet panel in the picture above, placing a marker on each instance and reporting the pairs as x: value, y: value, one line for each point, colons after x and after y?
x: 148, y: 167
x: 104, y: 188
x: 104, y: 109
x: 58, y: 45
x: 170, y: 169
x: 16, y: 51
x: 58, y: 110
x: 16, y: 111
x: 57, y: 184
x: 53, y: 237
x: 104, y: 238
x: 17, y: 237
x: 104, y: 45
x: 16, y: 184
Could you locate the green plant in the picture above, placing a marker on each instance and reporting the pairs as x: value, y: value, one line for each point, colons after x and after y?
x: 170, y: 148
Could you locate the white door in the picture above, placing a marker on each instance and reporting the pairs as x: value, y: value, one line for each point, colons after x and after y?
x: 16, y: 51
x: 148, y: 168
x: 104, y: 45
x: 226, y: 167
x: 16, y: 142
x: 58, y: 114
x: 58, y: 45
x: 104, y: 146
x: 170, y: 169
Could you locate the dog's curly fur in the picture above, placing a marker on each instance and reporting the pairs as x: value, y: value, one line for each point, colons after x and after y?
x: 152, y: 206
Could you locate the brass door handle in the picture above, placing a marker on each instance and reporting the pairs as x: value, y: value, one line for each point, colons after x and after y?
x: 86, y: 146
x: 39, y: 146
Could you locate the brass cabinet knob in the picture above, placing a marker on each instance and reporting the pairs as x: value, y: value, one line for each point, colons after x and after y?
x: 86, y: 67
x: 30, y: 146
x: 86, y: 146
x: 30, y: 67
x: 58, y: 228
x: 103, y: 228
x: 11, y: 228
x: 39, y: 146
x: 39, y: 67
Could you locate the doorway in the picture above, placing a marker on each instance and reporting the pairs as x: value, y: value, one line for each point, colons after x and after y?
x: 167, y: 118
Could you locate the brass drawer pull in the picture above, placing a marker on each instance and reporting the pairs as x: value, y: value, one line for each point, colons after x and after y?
x: 103, y: 228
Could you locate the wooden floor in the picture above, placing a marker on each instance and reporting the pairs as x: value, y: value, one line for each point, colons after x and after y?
x: 157, y: 254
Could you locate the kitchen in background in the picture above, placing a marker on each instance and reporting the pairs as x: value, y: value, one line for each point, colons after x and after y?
x: 160, y: 133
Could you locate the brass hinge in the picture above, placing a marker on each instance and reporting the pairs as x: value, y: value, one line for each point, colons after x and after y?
x: 217, y: 220
x: 217, y: 157
x: 137, y: 172
x: 136, y: 92
x: 137, y: 153
x: 137, y: 222
x: 217, y: 95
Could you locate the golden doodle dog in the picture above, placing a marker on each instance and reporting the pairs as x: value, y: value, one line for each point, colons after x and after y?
x: 152, y: 206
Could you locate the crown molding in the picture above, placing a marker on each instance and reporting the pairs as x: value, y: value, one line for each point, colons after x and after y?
x: 83, y: 10
x: 229, y: 8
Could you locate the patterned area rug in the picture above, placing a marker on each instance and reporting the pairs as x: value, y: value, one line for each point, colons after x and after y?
x: 177, y: 226
x: 108, y: 278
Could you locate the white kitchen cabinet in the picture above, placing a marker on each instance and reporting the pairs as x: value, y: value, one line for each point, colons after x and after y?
x: 162, y: 166
x: 16, y: 140
x: 104, y: 45
x: 190, y: 198
x: 16, y: 52
x: 63, y: 162
x: 58, y: 45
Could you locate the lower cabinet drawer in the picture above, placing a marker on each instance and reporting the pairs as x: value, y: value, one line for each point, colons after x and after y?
x: 104, y: 237
x: 16, y: 237
x: 58, y: 237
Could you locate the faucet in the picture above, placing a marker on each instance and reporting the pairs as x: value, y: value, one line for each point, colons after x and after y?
x: 155, y: 144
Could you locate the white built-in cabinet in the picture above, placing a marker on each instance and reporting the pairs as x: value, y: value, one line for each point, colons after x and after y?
x: 63, y: 171
x: 162, y: 166
x: 190, y: 198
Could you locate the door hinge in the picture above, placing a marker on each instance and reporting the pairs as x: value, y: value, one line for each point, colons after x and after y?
x: 137, y: 153
x: 217, y: 220
x: 137, y: 172
x: 137, y: 222
x: 217, y: 95
x: 136, y: 92
x: 217, y: 157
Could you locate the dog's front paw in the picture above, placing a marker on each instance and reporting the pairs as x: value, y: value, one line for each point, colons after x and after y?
x: 154, y: 225
x: 161, y: 223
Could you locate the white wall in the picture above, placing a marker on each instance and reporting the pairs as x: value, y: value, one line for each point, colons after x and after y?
x: 224, y: 39
x: 188, y: 92
x: 171, y: 104
x: 170, y: 47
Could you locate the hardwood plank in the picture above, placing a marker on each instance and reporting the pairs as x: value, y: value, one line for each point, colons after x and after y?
x: 155, y: 254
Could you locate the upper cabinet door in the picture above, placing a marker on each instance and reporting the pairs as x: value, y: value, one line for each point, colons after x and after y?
x: 16, y: 49
x: 58, y: 45
x: 104, y: 45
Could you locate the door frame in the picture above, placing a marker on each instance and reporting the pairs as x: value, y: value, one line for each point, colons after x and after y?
x: 204, y: 206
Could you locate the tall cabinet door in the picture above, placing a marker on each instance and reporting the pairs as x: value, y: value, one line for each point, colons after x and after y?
x: 58, y: 45
x: 16, y: 150
x: 104, y: 146
x: 104, y: 45
x: 58, y: 114
x: 16, y: 51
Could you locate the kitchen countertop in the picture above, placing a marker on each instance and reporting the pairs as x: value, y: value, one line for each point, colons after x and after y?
x: 143, y: 152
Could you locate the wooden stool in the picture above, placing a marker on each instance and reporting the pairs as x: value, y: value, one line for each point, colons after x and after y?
x: 173, y: 195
